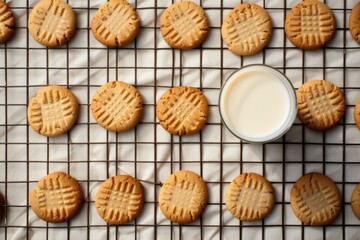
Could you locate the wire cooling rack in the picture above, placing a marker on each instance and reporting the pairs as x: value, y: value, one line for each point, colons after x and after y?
x: 147, y: 152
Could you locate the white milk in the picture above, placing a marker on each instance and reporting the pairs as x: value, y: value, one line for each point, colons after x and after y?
x: 258, y: 103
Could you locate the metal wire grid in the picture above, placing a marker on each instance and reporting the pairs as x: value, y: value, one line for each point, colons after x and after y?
x: 215, y: 154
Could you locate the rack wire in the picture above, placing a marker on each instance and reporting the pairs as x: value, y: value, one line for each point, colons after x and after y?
x: 147, y: 152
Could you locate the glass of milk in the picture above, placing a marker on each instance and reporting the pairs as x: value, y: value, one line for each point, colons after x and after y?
x: 258, y: 103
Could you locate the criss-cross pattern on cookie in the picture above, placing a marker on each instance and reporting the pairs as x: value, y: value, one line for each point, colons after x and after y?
x: 116, y: 21
x: 52, y: 110
x: 247, y: 28
x: 53, y: 25
x: 180, y: 110
x: 315, y: 200
x: 116, y: 106
x: 250, y: 199
x: 56, y: 199
x: 121, y: 202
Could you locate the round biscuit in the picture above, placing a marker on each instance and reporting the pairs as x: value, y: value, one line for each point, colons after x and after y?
x: 184, y: 25
x: 315, y: 199
x: 355, y: 201
x: 52, y: 23
x: 250, y: 197
x: 119, y: 199
x: 183, y: 197
x: 321, y: 104
x: 53, y: 111
x: 182, y: 110
x: 56, y: 198
x: 354, y: 22
x: 117, y: 106
x: 116, y: 23
x: 357, y: 113
x: 310, y: 25
x: 247, y: 29
x: 7, y: 22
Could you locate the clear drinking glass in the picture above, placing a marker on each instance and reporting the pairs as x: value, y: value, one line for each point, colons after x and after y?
x: 260, y: 86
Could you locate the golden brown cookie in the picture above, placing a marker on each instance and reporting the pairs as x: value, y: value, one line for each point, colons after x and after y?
x: 182, y: 110
x: 355, y: 201
x: 357, y: 114
x: 184, y: 25
x: 354, y: 22
x: 310, y: 25
x: 52, y: 22
x: 321, y: 104
x: 53, y: 111
x: 7, y: 22
x: 117, y: 106
x: 250, y: 197
x: 183, y: 197
x: 116, y: 23
x: 247, y: 29
x: 2, y: 208
x: 56, y: 198
x: 119, y: 199
x: 315, y: 199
